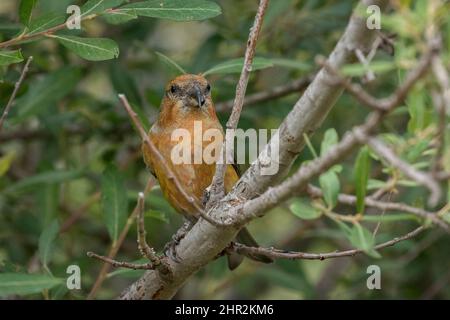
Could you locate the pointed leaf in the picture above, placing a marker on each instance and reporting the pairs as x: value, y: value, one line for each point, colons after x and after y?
x: 45, y: 22
x: 22, y: 284
x: 46, y: 242
x: 99, y: 6
x: 170, y: 63
x: 235, y: 66
x: 42, y: 94
x: 10, y: 57
x: 114, y: 201
x: 178, y: 10
x: 92, y: 49
x: 361, y: 177
x: 119, y: 16
x: 25, y: 10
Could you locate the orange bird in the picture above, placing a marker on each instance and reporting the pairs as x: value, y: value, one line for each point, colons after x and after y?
x: 187, y: 104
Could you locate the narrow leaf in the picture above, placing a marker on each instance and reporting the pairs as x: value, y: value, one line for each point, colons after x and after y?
x: 42, y: 94
x: 22, y: 284
x: 361, y: 177
x: 235, y: 66
x: 25, y: 11
x: 99, y: 6
x: 119, y: 16
x: 10, y: 57
x: 92, y: 49
x: 178, y: 10
x: 114, y: 201
x: 44, y: 177
x: 170, y: 63
x: 45, y: 22
x: 46, y: 242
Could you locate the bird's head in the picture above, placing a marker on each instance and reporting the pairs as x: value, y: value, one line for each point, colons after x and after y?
x: 189, y: 92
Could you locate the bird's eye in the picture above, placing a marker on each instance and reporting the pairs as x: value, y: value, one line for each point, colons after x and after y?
x: 173, y: 88
x: 208, y: 88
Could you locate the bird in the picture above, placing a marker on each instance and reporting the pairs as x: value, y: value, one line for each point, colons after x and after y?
x: 187, y: 103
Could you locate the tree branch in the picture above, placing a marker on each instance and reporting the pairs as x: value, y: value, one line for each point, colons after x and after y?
x: 383, y: 205
x: 420, y: 177
x: 217, y: 188
x: 205, y: 241
x: 283, y: 254
x: 15, y: 91
x: 276, y: 92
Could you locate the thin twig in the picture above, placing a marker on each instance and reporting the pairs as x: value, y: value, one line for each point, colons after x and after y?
x: 270, y: 94
x: 217, y: 188
x: 116, y: 245
x: 420, y: 177
x: 443, y: 80
x: 258, y: 206
x: 121, y: 264
x: 383, y: 205
x: 395, y: 99
x: 15, y: 91
x: 78, y: 213
x: 283, y: 254
x: 147, y: 251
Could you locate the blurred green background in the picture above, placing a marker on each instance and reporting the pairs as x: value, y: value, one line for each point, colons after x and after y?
x: 68, y: 126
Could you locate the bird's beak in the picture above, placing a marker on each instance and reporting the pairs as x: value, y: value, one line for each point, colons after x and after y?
x: 199, y: 96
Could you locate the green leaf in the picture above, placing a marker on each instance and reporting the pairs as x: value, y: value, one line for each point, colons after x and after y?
x: 235, y: 66
x: 46, y: 241
x: 303, y: 210
x: 291, y: 64
x: 98, y: 6
x: 390, y: 217
x: 92, y: 49
x: 158, y: 215
x: 363, y: 239
x: 114, y: 201
x: 178, y: 10
x: 358, y: 69
x: 5, y: 162
x: 329, y: 183
x: 25, y: 10
x: 47, y: 202
x: 361, y: 177
x: 170, y: 63
x: 329, y: 139
x: 44, y: 177
x: 118, y: 16
x: 42, y: 94
x: 10, y: 57
x: 45, y: 22
x: 22, y: 284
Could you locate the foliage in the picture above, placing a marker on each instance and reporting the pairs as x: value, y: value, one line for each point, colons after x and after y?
x: 66, y: 141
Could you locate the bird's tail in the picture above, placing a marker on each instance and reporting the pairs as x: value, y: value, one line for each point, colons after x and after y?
x: 244, y: 237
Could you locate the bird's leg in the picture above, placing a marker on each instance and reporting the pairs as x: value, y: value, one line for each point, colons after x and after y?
x: 170, y: 247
